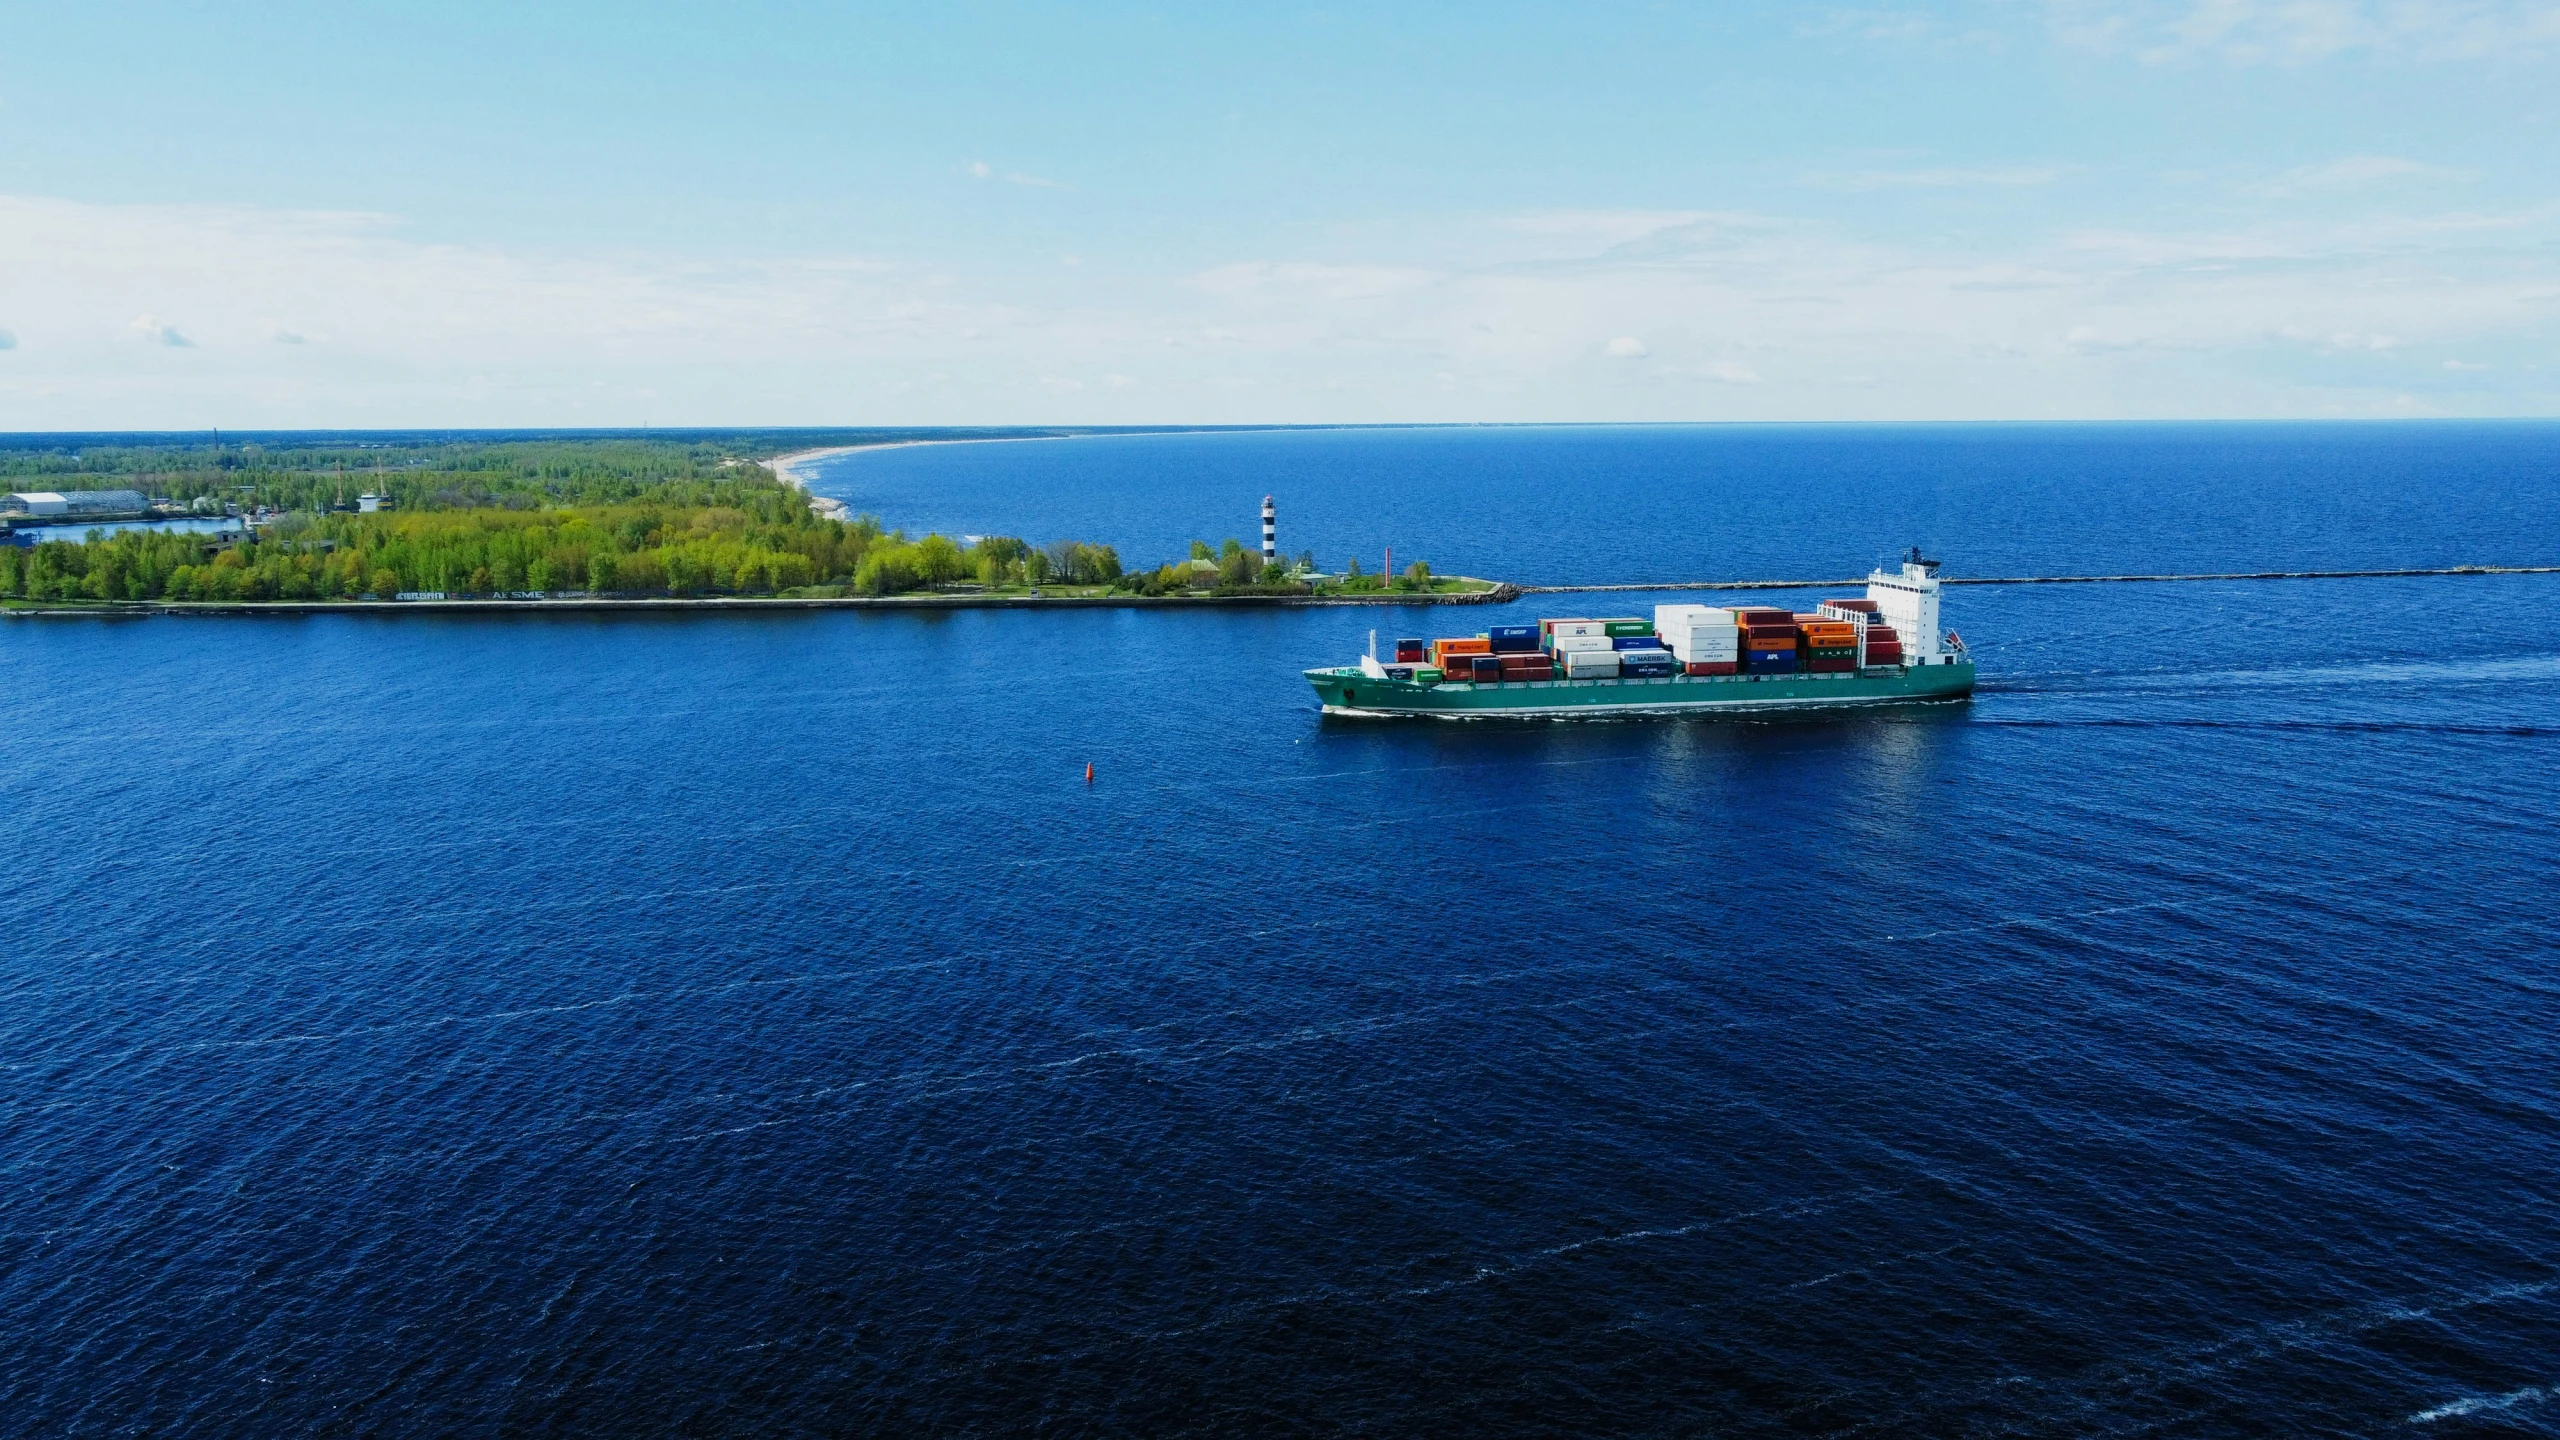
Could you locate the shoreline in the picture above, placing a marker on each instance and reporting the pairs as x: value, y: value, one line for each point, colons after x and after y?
x: 152, y: 609
x: 786, y: 468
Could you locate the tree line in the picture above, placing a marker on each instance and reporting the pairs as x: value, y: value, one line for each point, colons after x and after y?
x: 615, y: 550
x: 682, y: 515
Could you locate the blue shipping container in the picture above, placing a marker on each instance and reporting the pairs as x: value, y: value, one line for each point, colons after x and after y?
x: 1513, y: 632
x: 1635, y: 642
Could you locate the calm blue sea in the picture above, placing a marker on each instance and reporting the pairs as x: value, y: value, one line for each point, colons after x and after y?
x: 561, y: 1025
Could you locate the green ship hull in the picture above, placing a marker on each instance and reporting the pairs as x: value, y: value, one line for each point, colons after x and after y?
x: 1346, y: 691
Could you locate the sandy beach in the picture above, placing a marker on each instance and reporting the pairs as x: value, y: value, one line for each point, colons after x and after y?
x: 786, y: 468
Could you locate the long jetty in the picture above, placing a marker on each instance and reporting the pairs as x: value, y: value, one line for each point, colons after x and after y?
x: 2050, y: 579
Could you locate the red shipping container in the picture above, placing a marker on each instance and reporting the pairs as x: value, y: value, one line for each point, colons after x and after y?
x: 1830, y: 667
x: 1714, y: 667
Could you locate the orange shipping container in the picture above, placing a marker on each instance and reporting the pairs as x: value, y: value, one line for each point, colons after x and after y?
x: 1476, y: 646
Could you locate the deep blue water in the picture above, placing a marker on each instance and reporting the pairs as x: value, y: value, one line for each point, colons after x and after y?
x: 754, y: 1025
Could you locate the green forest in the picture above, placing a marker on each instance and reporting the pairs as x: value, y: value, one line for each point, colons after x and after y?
x: 769, y: 546
x: 615, y: 516
x: 426, y: 471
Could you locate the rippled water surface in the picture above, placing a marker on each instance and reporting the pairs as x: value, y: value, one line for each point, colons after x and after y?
x: 755, y: 1025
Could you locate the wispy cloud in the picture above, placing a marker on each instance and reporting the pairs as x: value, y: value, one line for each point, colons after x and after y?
x: 2303, y: 32
x: 1870, y: 24
x: 981, y: 170
x: 8, y: 340
x: 1671, y: 314
x: 1268, y: 282
x: 276, y: 331
x: 2351, y: 172
x: 159, y: 332
x: 1934, y: 178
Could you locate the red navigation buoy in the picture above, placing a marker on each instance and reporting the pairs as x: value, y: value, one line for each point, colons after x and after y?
x: 1088, y: 772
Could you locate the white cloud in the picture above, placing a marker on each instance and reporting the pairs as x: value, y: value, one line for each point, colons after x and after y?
x: 1586, y: 230
x: 158, y: 332
x: 2090, y: 340
x: 1628, y: 347
x: 2303, y: 32
x: 2463, y: 365
x: 2342, y: 342
x: 2352, y: 172
x: 2282, y: 318
x: 276, y: 331
x: 1940, y: 178
x: 1871, y: 24
x: 1268, y: 282
x: 981, y: 170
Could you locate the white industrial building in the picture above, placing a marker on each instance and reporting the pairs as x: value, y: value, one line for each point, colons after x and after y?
x: 43, y: 503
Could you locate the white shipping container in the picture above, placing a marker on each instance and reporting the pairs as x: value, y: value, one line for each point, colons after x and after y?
x: 1575, y: 644
x: 1667, y: 618
x: 1559, y: 629
x: 1591, y: 665
x: 1721, y: 643
x: 1705, y: 635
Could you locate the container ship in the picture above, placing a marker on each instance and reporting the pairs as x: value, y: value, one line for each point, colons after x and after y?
x: 1885, y: 649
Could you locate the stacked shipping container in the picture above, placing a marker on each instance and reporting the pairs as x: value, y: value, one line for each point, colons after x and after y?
x: 1702, y: 638
x: 1878, y: 642
x: 1829, y: 646
x: 1680, y: 639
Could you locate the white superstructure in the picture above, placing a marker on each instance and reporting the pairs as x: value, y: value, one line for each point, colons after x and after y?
x: 1908, y: 602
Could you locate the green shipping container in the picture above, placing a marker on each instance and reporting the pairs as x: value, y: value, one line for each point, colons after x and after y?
x: 1426, y: 675
x: 1626, y: 627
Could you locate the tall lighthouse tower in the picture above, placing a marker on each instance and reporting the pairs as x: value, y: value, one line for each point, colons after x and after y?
x: 1270, y: 532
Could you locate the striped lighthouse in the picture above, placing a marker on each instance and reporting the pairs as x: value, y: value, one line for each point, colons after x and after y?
x: 1270, y: 532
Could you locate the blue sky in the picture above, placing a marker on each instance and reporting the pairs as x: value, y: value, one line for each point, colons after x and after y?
x: 286, y: 214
